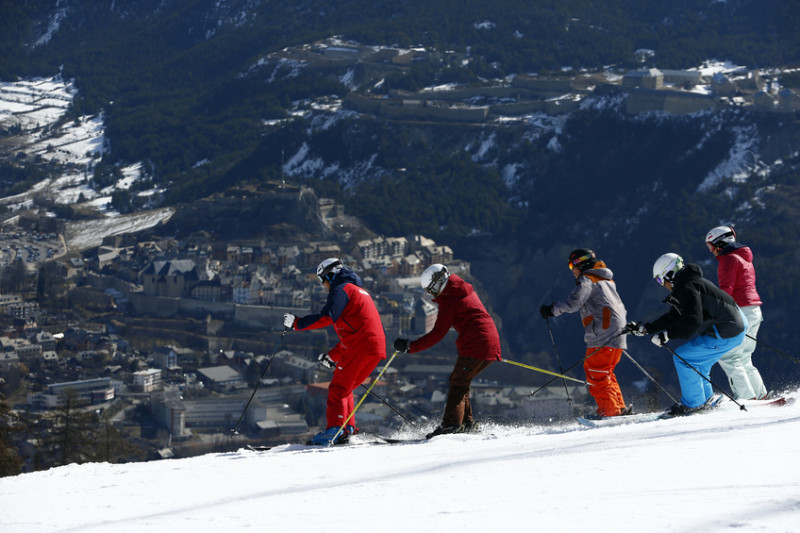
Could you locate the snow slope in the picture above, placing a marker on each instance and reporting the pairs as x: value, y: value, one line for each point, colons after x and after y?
x: 727, y: 469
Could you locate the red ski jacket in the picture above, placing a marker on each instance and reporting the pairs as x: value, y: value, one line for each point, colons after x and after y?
x: 736, y: 274
x: 354, y: 317
x: 461, y: 309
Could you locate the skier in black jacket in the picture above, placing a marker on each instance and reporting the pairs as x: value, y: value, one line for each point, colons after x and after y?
x: 700, y: 312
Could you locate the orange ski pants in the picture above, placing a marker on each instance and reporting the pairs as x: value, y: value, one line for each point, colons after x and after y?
x: 599, y: 366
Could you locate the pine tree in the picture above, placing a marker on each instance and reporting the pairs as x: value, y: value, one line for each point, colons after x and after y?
x: 10, y: 424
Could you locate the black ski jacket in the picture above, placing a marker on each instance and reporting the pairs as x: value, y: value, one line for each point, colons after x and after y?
x: 698, y: 308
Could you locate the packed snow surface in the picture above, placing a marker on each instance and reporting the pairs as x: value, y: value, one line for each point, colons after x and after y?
x: 723, y: 470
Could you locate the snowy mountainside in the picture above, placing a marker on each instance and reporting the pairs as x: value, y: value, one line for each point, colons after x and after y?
x: 35, y: 113
x: 197, y: 97
x: 35, y: 109
x: 727, y: 469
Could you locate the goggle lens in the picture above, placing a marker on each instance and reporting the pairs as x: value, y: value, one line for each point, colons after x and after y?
x: 578, y: 260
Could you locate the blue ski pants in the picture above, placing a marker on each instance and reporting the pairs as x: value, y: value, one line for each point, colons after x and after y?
x: 701, y: 352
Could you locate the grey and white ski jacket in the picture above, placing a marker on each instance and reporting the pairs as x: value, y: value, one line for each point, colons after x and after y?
x: 602, y: 312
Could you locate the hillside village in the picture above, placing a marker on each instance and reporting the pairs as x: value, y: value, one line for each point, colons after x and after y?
x: 176, y: 334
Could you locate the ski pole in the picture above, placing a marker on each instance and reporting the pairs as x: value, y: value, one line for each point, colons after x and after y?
x: 387, y: 404
x: 774, y: 349
x: 685, y: 362
x: 235, y: 430
x: 576, y: 363
x: 543, y: 371
x: 555, y: 378
x: 378, y: 377
x: 558, y: 359
x: 651, y: 378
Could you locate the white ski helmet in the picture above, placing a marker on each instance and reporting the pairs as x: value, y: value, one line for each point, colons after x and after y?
x: 666, y: 267
x: 328, y: 269
x: 434, y: 279
x: 720, y: 236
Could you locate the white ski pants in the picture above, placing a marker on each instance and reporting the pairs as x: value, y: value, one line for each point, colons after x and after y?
x: 744, y: 378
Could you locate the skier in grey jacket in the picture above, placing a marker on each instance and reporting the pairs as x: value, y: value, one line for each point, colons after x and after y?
x: 603, y: 315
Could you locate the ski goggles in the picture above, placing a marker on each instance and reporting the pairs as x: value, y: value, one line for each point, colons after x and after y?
x: 437, y: 283
x: 577, y: 261
x: 662, y: 279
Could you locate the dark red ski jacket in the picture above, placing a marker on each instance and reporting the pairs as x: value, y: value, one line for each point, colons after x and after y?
x: 461, y: 308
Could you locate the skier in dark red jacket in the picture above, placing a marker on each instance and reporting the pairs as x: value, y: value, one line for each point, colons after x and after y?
x: 478, y: 342
x: 362, y: 342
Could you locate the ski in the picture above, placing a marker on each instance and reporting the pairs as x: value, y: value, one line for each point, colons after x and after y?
x: 777, y: 401
x: 610, y: 421
x: 772, y: 402
x: 389, y: 440
x: 357, y: 441
x: 252, y: 448
x: 712, y: 403
x: 303, y: 445
x: 300, y: 445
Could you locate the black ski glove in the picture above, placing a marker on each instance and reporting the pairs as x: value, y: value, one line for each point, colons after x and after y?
x: 402, y: 345
x: 636, y: 329
x: 546, y: 311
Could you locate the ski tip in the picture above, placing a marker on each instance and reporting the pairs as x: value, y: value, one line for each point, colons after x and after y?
x: 776, y: 402
x: 781, y: 401
x: 257, y: 448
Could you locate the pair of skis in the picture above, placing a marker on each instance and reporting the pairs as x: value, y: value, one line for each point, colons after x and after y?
x: 359, y: 442
x: 649, y: 417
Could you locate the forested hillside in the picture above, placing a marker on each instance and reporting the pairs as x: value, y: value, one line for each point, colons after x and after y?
x: 178, y: 84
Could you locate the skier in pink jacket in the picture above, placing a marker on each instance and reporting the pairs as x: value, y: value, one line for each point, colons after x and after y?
x: 737, y: 277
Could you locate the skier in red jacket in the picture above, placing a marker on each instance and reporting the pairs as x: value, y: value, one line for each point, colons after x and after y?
x: 737, y: 277
x: 362, y: 342
x: 478, y: 342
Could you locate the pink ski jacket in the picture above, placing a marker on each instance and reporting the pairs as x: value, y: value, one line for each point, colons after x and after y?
x: 736, y: 274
